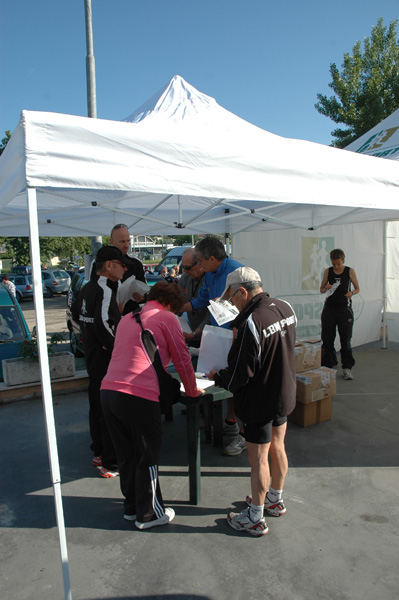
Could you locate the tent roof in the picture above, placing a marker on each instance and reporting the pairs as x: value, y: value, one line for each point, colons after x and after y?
x: 181, y: 163
x: 382, y: 140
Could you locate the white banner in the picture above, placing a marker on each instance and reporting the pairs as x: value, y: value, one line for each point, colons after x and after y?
x: 291, y: 263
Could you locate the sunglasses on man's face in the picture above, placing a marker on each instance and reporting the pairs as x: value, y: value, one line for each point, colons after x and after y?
x: 188, y: 267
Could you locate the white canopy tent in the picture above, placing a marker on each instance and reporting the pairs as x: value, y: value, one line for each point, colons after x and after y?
x: 383, y: 141
x: 181, y: 164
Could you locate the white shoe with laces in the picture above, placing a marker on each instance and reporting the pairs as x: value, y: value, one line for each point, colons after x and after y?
x: 347, y: 374
x: 236, y: 446
x: 242, y: 522
x: 164, y: 520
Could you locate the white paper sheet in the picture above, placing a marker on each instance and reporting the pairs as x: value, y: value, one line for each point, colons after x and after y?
x: 130, y: 286
x: 215, y: 346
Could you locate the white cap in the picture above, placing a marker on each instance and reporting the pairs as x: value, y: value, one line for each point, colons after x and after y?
x: 240, y: 276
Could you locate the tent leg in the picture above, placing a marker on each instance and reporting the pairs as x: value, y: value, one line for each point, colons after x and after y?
x: 384, y: 300
x: 46, y: 383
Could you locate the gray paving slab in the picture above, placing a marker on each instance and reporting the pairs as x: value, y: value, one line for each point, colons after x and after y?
x: 338, y: 540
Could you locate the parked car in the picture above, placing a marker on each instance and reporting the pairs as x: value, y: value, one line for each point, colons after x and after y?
x: 23, y: 286
x: 75, y: 336
x: 13, y: 328
x: 22, y: 270
x: 55, y: 281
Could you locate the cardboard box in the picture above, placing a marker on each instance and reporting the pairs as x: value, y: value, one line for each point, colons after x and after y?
x: 315, y: 385
x: 307, y: 355
x: 311, y: 414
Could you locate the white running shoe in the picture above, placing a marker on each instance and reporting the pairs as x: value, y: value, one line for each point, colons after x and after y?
x: 242, y: 522
x: 236, y: 446
x: 164, y: 520
x: 276, y: 509
x: 347, y: 373
x: 230, y: 429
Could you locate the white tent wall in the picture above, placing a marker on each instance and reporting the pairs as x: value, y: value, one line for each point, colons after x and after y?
x: 383, y: 141
x: 291, y: 263
x: 392, y: 280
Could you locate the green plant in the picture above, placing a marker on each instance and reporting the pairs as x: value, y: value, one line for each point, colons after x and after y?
x: 30, y: 350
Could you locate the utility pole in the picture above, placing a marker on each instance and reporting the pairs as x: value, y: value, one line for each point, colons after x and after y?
x: 96, y: 242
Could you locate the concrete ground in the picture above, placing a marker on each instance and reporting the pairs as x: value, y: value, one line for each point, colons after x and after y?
x: 338, y: 540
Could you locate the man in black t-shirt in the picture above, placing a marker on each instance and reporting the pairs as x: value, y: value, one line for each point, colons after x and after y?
x: 120, y: 238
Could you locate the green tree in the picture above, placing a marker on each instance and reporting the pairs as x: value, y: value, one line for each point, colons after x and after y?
x: 5, y: 141
x: 65, y: 248
x: 367, y: 88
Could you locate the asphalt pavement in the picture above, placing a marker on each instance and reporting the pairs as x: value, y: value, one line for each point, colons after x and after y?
x: 338, y: 540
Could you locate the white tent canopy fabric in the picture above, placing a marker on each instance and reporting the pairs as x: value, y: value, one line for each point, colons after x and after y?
x: 180, y: 164
x: 184, y: 163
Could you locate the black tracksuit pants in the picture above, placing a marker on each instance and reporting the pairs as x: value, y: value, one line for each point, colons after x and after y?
x: 334, y: 317
x: 102, y: 444
x: 136, y: 430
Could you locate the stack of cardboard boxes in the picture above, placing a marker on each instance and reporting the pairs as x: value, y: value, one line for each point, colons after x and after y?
x: 316, y: 385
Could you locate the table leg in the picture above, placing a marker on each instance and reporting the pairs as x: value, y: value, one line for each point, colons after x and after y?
x: 194, y: 452
x: 217, y: 414
x: 207, y: 411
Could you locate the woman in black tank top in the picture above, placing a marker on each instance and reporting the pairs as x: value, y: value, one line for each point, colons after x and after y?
x: 339, y: 284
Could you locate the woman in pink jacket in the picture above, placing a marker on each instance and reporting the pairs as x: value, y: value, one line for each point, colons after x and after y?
x: 130, y: 401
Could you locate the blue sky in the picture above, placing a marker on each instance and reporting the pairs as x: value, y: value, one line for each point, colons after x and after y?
x: 264, y: 61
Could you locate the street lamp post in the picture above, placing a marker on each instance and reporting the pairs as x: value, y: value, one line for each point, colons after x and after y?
x: 90, y: 63
x: 96, y: 242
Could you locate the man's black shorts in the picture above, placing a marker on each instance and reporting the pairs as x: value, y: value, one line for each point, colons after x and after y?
x: 261, y: 433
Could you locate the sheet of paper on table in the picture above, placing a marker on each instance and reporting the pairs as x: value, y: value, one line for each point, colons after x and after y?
x: 202, y: 384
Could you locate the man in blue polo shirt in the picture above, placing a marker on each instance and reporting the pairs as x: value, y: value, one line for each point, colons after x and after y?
x: 217, y: 265
x: 212, y: 257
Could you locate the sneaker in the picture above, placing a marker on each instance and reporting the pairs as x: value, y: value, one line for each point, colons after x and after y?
x: 164, y: 520
x: 235, y: 447
x: 276, y: 509
x: 242, y: 522
x: 347, y: 373
x: 230, y: 429
x: 130, y: 517
x: 108, y: 472
x: 97, y: 461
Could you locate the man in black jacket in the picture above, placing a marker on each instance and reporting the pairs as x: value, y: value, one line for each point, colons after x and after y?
x: 261, y: 376
x: 120, y: 238
x: 98, y: 314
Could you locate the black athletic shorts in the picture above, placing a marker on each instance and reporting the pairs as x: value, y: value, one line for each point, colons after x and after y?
x: 261, y: 433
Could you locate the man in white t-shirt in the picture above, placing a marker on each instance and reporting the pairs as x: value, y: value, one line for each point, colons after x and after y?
x: 9, y: 285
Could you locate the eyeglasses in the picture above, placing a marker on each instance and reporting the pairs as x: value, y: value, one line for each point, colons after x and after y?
x: 118, y: 262
x: 189, y: 267
x: 231, y: 297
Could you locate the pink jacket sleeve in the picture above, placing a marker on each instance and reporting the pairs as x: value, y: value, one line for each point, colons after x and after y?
x: 180, y: 355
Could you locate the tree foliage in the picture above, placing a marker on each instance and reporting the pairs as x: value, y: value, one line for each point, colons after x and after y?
x: 5, y: 141
x: 65, y: 248
x: 367, y: 88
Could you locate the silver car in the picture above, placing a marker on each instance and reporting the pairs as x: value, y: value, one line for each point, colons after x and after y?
x: 55, y: 281
x: 23, y: 286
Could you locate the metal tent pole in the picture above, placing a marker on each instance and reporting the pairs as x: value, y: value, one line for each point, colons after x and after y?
x: 46, y: 385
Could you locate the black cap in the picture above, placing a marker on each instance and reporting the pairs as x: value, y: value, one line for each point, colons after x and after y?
x: 110, y: 253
